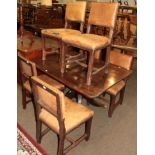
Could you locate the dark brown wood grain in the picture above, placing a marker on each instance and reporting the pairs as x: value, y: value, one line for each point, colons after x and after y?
x: 75, y: 78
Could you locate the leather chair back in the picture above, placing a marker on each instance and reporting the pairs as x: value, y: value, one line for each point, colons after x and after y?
x: 121, y: 60
x: 27, y: 68
x: 48, y: 97
x: 75, y: 11
x: 103, y: 14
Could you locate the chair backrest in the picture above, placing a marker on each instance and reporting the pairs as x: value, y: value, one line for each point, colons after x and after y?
x: 121, y: 60
x: 46, y: 3
x: 103, y: 14
x: 133, y: 19
x: 75, y: 12
x: 27, y: 68
x: 48, y: 97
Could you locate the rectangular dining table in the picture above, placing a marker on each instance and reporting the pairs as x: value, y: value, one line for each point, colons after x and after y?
x: 75, y: 76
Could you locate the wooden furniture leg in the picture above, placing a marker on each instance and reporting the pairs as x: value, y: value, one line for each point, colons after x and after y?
x: 122, y: 96
x: 34, y: 107
x: 38, y: 131
x: 24, y: 98
x: 61, y: 139
x: 88, y: 128
x: 114, y: 103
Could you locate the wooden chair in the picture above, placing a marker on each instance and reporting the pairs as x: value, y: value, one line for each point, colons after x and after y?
x: 124, y: 61
x: 75, y: 12
x: 60, y: 114
x: 133, y: 21
x: 28, y: 69
x: 101, y: 14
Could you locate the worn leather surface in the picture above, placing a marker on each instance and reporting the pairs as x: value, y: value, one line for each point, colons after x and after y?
x: 75, y: 11
x: 26, y: 66
x: 103, y: 14
x: 58, y: 33
x: 114, y: 90
x: 75, y: 114
x: 48, y: 100
x: 121, y: 60
x: 87, y: 41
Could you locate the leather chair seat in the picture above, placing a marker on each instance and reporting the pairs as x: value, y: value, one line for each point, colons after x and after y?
x: 58, y: 33
x: 86, y: 41
x: 75, y: 114
x: 48, y: 80
x: 114, y: 90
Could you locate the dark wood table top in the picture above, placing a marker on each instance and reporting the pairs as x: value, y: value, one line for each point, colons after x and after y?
x: 75, y: 77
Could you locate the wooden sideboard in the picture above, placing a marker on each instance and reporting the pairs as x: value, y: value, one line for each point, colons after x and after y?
x: 37, y: 18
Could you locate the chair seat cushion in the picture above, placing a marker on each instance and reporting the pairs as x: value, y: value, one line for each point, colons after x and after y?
x: 58, y: 33
x: 86, y: 41
x: 114, y: 90
x: 75, y: 114
x: 48, y: 80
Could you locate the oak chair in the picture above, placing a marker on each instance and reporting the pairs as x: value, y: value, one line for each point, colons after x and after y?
x: 123, y: 61
x: 60, y: 114
x: 101, y: 14
x: 75, y: 13
x: 133, y: 21
x: 28, y: 69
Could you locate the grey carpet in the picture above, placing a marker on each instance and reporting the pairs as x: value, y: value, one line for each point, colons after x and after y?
x: 109, y: 136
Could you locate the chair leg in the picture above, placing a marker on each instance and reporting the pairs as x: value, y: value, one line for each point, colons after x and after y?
x: 24, y: 98
x: 112, y: 105
x: 58, y: 139
x: 60, y: 149
x: 88, y: 128
x: 90, y: 68
x: 34, y: 107
x: 38, y: 131
x: 121, y: 96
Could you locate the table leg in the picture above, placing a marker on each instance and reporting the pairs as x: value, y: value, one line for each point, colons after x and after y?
x: 79, y: 98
